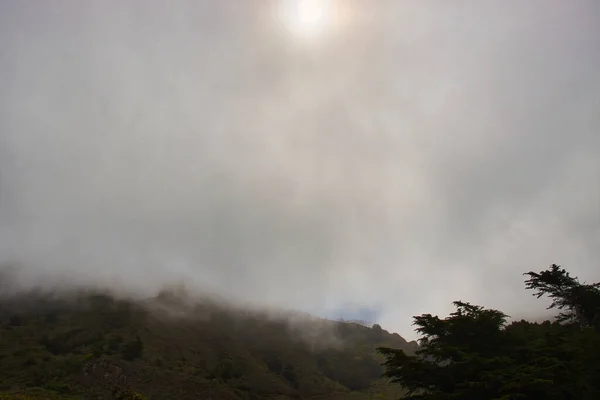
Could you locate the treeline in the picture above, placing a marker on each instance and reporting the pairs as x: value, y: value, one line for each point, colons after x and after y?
x: 475, y: 354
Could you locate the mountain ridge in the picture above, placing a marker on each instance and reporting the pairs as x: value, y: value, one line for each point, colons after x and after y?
x: 91, y: 344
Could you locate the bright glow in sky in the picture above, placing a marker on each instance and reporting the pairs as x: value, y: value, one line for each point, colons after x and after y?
x: 307, y: 19
x: 310, y: 12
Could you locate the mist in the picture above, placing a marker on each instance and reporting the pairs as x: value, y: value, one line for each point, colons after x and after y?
x: 415, y: 155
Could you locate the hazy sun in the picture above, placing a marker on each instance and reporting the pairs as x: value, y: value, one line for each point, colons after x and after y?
x: 310, y: 12
x: 313, y: 21
x: 308, y: 18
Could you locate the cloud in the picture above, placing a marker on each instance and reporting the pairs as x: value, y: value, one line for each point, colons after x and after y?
x: 420, y: 154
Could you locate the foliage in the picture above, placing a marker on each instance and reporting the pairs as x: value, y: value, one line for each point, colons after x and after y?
x: 95, y: 346
x: 132, y: 350
x: 474, y: 354
x: 127, y: 395
x: 37, y: 394
x: 579, y: 303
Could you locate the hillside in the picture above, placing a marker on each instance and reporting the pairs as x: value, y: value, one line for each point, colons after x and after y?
x: 92, y: 345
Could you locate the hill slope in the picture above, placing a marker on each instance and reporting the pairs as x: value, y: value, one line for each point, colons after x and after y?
x: 91, y: 345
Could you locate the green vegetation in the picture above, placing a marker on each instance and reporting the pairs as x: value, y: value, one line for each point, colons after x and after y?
x: 93, y: 346
x: 475, y: 354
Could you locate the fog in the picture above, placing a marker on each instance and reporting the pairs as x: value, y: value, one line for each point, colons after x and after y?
x: 415, y: 154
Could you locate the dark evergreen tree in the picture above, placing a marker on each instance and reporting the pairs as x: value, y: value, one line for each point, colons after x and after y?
x: 473, y: 354
x: 579, y: 303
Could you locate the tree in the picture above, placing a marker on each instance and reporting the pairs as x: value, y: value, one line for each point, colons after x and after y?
x: 458, y: 357
x: 579, y: 303
x: 474, y: 354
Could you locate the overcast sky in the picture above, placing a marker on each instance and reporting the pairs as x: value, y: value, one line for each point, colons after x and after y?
x: 405, y: 155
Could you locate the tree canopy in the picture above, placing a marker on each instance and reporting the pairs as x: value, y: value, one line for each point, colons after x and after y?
x: 475, y: 354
